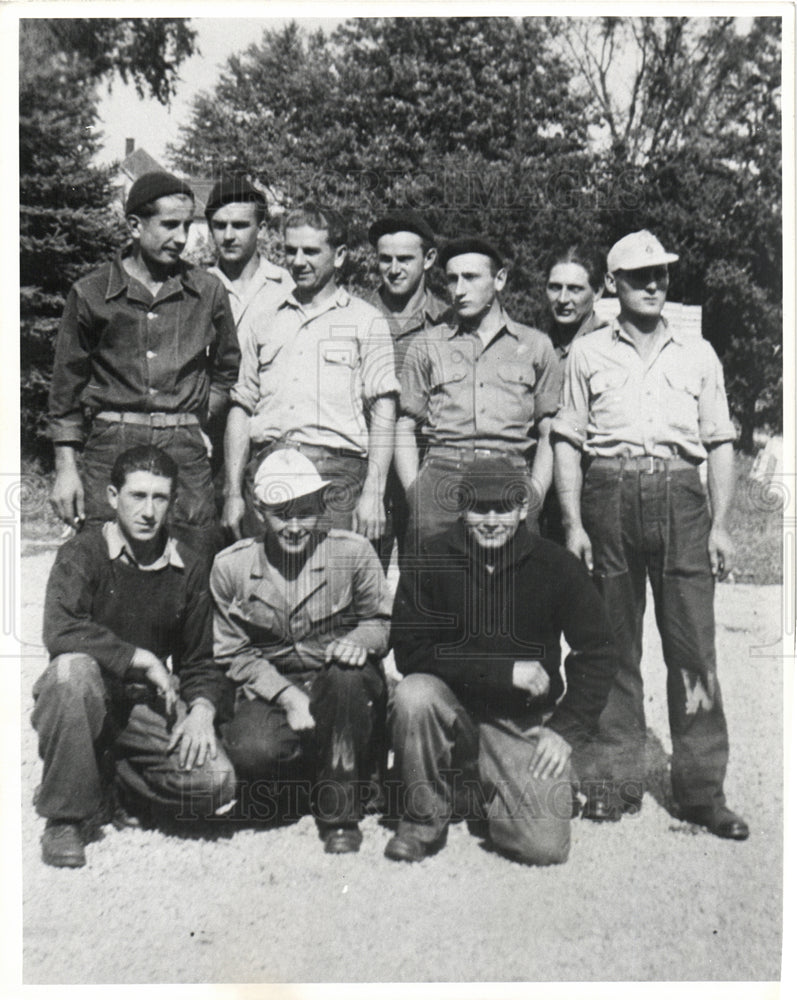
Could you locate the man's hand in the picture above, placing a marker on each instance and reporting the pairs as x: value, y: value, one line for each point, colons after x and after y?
x: 531, y: 676
x: 196, y: 736
x: 297, y: 707
x: 579, y: 544
x: 232, y: 514
x: 551, y: 755
x: 347, y: 654
x: 369, y: 514
x: 207, y: 443
x: 67, y: 497
x: 158, y: 676
x: 721, y: 552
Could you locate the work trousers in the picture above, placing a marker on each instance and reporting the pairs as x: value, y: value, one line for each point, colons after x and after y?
x: 445, y: 751
x: 89, y: 732
x: 332, y: 764
x: 657, y: 524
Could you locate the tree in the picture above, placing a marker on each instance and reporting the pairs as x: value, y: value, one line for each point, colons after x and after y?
x: 66, y: 224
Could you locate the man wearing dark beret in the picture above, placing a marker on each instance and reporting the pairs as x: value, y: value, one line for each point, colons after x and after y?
x: 405, y: 253
x: 146, y: 352
x: 475, y: 386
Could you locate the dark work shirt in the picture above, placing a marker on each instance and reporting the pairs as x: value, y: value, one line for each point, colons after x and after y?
x: 121, y: 349
x: 107, y: 608
x: 403, y: 328
x: 455, y: 619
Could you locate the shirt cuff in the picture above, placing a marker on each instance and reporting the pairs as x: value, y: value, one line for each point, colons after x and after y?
x: 67, y: 430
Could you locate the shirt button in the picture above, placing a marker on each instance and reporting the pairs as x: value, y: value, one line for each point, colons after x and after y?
x: 152, y: 391
x: 151, y: 355
x: 152, y: 316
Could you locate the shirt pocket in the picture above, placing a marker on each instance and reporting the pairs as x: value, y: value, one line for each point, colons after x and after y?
x: 338, y: 368
x: 681, y: 399
x: 610, y: 407
x: 268, y: 369
x: 516, y: 388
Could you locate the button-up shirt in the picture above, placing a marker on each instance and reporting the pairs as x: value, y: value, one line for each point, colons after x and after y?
x: 431, y: 312
x: 466, y: 394
x: 267, y: 280
x: 121, y: 348
x: 562, y: 349
x: 267, y: 628
x: 615, y: 402
x: 310, y: 374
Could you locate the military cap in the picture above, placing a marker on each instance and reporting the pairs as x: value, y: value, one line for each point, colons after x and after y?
x: 469, y: 244
x: 637, y: 250
x: 156, y: 184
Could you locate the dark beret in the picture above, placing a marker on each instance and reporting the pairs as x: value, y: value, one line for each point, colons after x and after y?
x: 230, y: 189
x: 403, y: 220
x: 495, y: 478
x: 154, y: 185
x: 469, y: 244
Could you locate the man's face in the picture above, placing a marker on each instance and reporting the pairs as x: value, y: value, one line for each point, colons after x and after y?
x: 311, y: 259
x: 491, y: 525
x: 472, y: 284
x: 141, y: 505
x: 162, y: 236
x: 402, y: 263
x: 642, y: 292
x: 292, y: 525
x: 234, y: 228
x: 570, y: 295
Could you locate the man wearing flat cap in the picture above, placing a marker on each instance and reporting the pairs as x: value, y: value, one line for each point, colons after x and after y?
x: 482, y: 711
x: 643, y: 405
x: 146, y: 352
x: 475, y: 386
x: 405, y: 253
x: 301, y: 623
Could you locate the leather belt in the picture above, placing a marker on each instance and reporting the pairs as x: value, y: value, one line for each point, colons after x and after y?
x: 646, y: 464
x: 466, y: 452
x: 261, y: 448
x: 149, y: 419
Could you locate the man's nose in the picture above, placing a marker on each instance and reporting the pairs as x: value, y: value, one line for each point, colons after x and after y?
x: 149, y: 507
x: 299, y: 258
x: 229, y: 232
x: 293, y: 525
x: 563, y: 296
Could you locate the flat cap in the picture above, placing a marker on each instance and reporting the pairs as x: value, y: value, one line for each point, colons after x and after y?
x: 498, y: 479
x: 403, y: 220
x: 469, y: 244
x: 157, y: 184
x: 638, y: 250
x: 230, y: 189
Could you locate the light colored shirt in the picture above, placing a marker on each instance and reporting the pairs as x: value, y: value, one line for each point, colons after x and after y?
x: 614, y: 402
x: 267, y: 628
x: 268, y: 280
x: 464, y: 393
x: 311, y: 375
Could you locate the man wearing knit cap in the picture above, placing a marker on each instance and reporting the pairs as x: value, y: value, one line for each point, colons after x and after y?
x: 146, y: 352
x: 477, y: 385
x: 302, y: 621
x: 643, y: 405
x: 405, y: 253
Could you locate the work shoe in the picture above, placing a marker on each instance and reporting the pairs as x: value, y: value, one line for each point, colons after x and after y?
x: 722, y: 822
x: 405, y: 847
x: 62, y: 844
x: 343, y: 839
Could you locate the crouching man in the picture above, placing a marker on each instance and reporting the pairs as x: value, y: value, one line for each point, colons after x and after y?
x: 302, y: 621
x: 476, y: 630
x: 128, y: 701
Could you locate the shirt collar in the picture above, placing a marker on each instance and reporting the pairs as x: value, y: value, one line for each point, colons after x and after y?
x: 511, y: 327
x: 119, y: 548
x: 339, y: 300
x: 265, y: 272
x: 119, y: 279
x: 670, y: 332
x: 317, y: 561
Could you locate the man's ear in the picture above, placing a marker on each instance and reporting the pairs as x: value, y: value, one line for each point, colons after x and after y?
x: 611, y: 284
x: 429, y: 258
x: 134, y: 226
x: 524, y: 509
x: 341, y: 253
x: 500, y: 279
x: 113, y: 496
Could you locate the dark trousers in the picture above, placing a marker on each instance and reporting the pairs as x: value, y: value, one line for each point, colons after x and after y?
x: 657, y: 525
x: 87, y: 732
x: 192, y: 517
x: 335, y: 761
x: 444, y: 749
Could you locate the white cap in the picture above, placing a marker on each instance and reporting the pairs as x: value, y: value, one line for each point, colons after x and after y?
x: 284, y: 476
x: 638, y: 250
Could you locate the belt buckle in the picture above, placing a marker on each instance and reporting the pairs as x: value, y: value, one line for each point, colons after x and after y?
x: 157, y: 420
x: 651, y: 465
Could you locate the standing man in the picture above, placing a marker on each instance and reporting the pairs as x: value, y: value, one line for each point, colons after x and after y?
x: 476, y: 631
x: 146, y: 353
x: 645, y: 403
x: 302, y: 621
x: 128, y: 614
x: 480, y: 385
x: 317, y: 374
x: 405, y: 253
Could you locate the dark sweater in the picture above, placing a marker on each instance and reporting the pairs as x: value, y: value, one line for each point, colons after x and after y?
x: 107, y: 609
x: 454, y: 619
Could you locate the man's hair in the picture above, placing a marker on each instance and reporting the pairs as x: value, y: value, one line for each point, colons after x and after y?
x: 150, y: 208
x: 261, y: 211
x: 586, y: 256
x: 320, y: 217
x: 143, y: 458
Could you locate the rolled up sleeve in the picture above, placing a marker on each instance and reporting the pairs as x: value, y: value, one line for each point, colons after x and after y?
x: 415, y: 383
x: 715, y: 424
x: 548, y: 388
x: 378, y: 361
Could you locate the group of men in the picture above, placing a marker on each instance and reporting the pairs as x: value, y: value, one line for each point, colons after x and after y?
x: 185, y: 677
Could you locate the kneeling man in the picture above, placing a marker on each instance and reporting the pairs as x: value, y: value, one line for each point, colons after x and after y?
x: 476, y: 629
x: 302, y: 621
x: 128, y: 624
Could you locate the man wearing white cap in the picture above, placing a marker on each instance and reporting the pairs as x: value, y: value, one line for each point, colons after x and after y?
x: 643, y: 405
x: 302, y: 617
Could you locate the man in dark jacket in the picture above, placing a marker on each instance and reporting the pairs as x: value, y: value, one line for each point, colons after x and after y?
x: 476, y: 629
x: 128, y: 625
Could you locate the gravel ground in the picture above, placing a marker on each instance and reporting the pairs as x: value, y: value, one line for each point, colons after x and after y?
x: 650, y: 898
